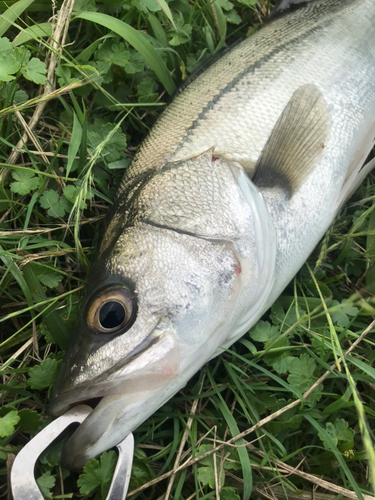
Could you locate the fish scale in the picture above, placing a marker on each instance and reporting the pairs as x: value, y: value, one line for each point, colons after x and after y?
x: 180, y: 198
x: 233, y: 188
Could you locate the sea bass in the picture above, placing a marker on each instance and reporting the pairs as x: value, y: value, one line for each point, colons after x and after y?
x: 226, y: 198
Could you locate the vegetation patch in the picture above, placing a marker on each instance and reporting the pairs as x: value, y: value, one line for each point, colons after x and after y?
x: 290, y: 406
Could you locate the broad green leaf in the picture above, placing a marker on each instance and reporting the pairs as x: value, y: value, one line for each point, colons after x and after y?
x: 344, y: 310
x: 64, y: 75
x: 301, y: 372
x: 56, y: 206
x: 97, y: 474
x: 44, y: 375
x: 141, y: 473
x: 147, y: 90
x: 224, y: 4
x: 46, y: 482
x: 48, y: 277
x: 45, y: 331
x: 228, y: 493
x: 8, y: 423
x: 22, y: 55
x: 24, y: 182
x: 282, y: 362
x: 284, y: 423
x: 206, y: 475
x: 9, y: 65
x: 208, y: 461
x: 181, y: 34
x: 304, y: 366
x: 232, y: 17
x: 42, y: 30
x: 337, y: 431
x: 35, y: 70
x: 111, y: 52
x: 331, y: 445
x: 138, y: 41
x: 263, y: 331
x: 83, y: 5
x: 52, y: 455
x: 12, y: 93
x: 30, y: 421
x: 146, y: 5
x: 136, y: 63
x: 8, y: 17
x: 71, y: 193
x: 5, y: 45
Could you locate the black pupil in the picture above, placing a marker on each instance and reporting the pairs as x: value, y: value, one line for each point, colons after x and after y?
x: 112, y: 314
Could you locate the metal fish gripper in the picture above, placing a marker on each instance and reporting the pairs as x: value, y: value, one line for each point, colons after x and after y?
x: 22, y: 478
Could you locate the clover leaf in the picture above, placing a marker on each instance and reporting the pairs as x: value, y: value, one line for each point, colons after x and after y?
x: 25, y: 182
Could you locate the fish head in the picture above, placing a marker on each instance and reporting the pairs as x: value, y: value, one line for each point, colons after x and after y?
x: 155, y: 310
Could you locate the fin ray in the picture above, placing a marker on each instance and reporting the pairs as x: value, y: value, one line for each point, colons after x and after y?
x: 296, y: 141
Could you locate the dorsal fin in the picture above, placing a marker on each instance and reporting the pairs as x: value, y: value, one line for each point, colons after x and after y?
x: 296, y: 141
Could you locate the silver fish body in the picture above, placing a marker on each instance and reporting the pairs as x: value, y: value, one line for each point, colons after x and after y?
x: 227, y: 197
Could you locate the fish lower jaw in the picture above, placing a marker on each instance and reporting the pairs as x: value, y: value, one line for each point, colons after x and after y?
x: 57, y: 408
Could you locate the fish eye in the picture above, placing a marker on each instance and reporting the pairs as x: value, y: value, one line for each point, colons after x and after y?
x: 112, y: 309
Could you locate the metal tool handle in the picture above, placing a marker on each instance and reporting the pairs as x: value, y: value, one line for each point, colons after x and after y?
x: 121, y: 476
x: 22, y: 479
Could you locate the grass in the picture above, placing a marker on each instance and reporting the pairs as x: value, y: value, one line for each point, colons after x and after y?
x: 290, y: 407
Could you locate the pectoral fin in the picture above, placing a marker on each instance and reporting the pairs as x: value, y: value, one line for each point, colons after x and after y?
x: 296, y: 141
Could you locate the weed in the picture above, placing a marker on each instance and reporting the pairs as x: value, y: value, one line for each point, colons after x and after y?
x: 276, y: 414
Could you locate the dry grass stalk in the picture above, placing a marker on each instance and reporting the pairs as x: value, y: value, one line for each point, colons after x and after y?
x: 277, y: 492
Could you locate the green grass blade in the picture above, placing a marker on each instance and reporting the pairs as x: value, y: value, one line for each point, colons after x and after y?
x: 17, y: 275
x: 221, y: 22
x: 11, y: 14
x: 85, y: 55
x: 167, y: 11
x: 138, y: 41
x: 53, y: 321
x: 35, y: 32
x: 74, y: 144
x: 370, y: 247
x: 242, y: 451
x: 369, y: 370
x: 158, y: 30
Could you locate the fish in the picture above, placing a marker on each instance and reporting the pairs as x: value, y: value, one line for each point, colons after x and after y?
x: 236, y: 183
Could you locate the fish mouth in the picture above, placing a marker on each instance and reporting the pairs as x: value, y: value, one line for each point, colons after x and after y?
x: 55, y: 409
x: 65, y: 395
x: 119, y: 398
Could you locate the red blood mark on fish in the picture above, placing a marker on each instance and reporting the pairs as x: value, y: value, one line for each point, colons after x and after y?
x: 170, y: 369
x: 214, y: 158
x: 237, y: 269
